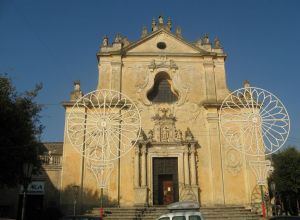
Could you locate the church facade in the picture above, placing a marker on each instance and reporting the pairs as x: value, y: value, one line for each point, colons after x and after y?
x: 180, y: 154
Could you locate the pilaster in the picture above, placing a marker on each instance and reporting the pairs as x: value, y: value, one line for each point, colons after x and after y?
x: 143, y: 165
x: 193, y: 165
x: 116, y: 76
x: 210, y: 80
x: 137, y: 167
x: 216, y: 157
x: 186, y: 167
x: 141, y: 190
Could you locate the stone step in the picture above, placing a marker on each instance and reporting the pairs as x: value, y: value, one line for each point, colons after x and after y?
x: 151, y: 213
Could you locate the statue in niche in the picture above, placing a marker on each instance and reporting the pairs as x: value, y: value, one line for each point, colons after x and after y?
x: 178, y: 135
x: 165, y: 134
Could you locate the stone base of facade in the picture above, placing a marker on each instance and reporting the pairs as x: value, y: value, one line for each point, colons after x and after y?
x: 141, y: 196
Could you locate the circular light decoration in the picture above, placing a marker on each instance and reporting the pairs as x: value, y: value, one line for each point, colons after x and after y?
x: 254, y: 121
x: 103, y: 125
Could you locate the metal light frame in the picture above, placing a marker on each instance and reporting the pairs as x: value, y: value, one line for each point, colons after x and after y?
x: 255, y: 122
x: 102, y: 126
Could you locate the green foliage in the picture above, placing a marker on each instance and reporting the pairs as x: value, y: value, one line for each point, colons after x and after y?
x: 286, y: 173
x: 20, y: 130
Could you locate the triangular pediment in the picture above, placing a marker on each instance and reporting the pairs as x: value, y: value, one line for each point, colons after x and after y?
x: 174, y: 44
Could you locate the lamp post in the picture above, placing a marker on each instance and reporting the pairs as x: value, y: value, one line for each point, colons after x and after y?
x: 27, y: 172
x: 75, y: 189
x: 274, y: 205
x: 273, y: 188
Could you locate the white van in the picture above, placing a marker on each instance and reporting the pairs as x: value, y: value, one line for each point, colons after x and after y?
x: 182, y: 215
x: 188, y: 210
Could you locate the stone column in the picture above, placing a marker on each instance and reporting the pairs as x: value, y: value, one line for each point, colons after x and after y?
x: 186, y: 167
x: 143, y: 170
x: 193, y: 165
x: 137, y: 167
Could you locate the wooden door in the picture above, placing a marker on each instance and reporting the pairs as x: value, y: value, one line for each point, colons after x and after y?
x: 168, y: 192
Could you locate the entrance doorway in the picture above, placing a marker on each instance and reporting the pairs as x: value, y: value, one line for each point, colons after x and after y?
x: 165, y: 189
x: 165, y: 180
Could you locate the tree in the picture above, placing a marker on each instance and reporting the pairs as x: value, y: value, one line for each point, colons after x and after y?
x: 20, y: 129
x: 286, y: 175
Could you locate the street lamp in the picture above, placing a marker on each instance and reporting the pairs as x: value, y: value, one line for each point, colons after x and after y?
x: 273, y: 188
x: 75, y: 189
x: 27, y: 172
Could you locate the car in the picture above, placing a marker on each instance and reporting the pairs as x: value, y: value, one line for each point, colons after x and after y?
x: 80, y: 217
x: 182, y: 215
x: 188, y: 210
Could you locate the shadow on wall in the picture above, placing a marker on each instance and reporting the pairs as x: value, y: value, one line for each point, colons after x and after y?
x: 86, y: 200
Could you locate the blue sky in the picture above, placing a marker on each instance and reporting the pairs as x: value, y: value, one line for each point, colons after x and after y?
x: 55, y: 42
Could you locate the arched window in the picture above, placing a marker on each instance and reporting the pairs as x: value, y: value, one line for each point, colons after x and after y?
x: 162, y: 91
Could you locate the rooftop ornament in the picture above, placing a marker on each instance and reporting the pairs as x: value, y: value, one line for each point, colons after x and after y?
x: 154, y: 27
x: 169, y: 24
x: 178, y: 31
x: 160, y: 21
x: 118, y: 38
x: 217, y: 43
x: 105, y: 41
x: 144, y: 32
x: 205, y: 39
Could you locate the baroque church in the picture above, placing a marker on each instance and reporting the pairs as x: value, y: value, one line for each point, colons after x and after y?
x: 179, y: 153
x: 178, y: 87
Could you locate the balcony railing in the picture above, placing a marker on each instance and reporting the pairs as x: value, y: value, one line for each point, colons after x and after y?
x: 50, y: 160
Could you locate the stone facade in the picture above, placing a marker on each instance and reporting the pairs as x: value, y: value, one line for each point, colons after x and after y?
x: 184, y: 127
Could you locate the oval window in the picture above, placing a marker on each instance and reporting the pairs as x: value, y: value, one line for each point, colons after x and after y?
x: 161, y: 45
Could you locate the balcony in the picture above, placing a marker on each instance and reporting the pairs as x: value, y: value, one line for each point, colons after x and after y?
x: 51, y: 161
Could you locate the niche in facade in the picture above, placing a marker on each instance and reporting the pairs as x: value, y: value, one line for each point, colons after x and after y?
x: 162, y: 91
